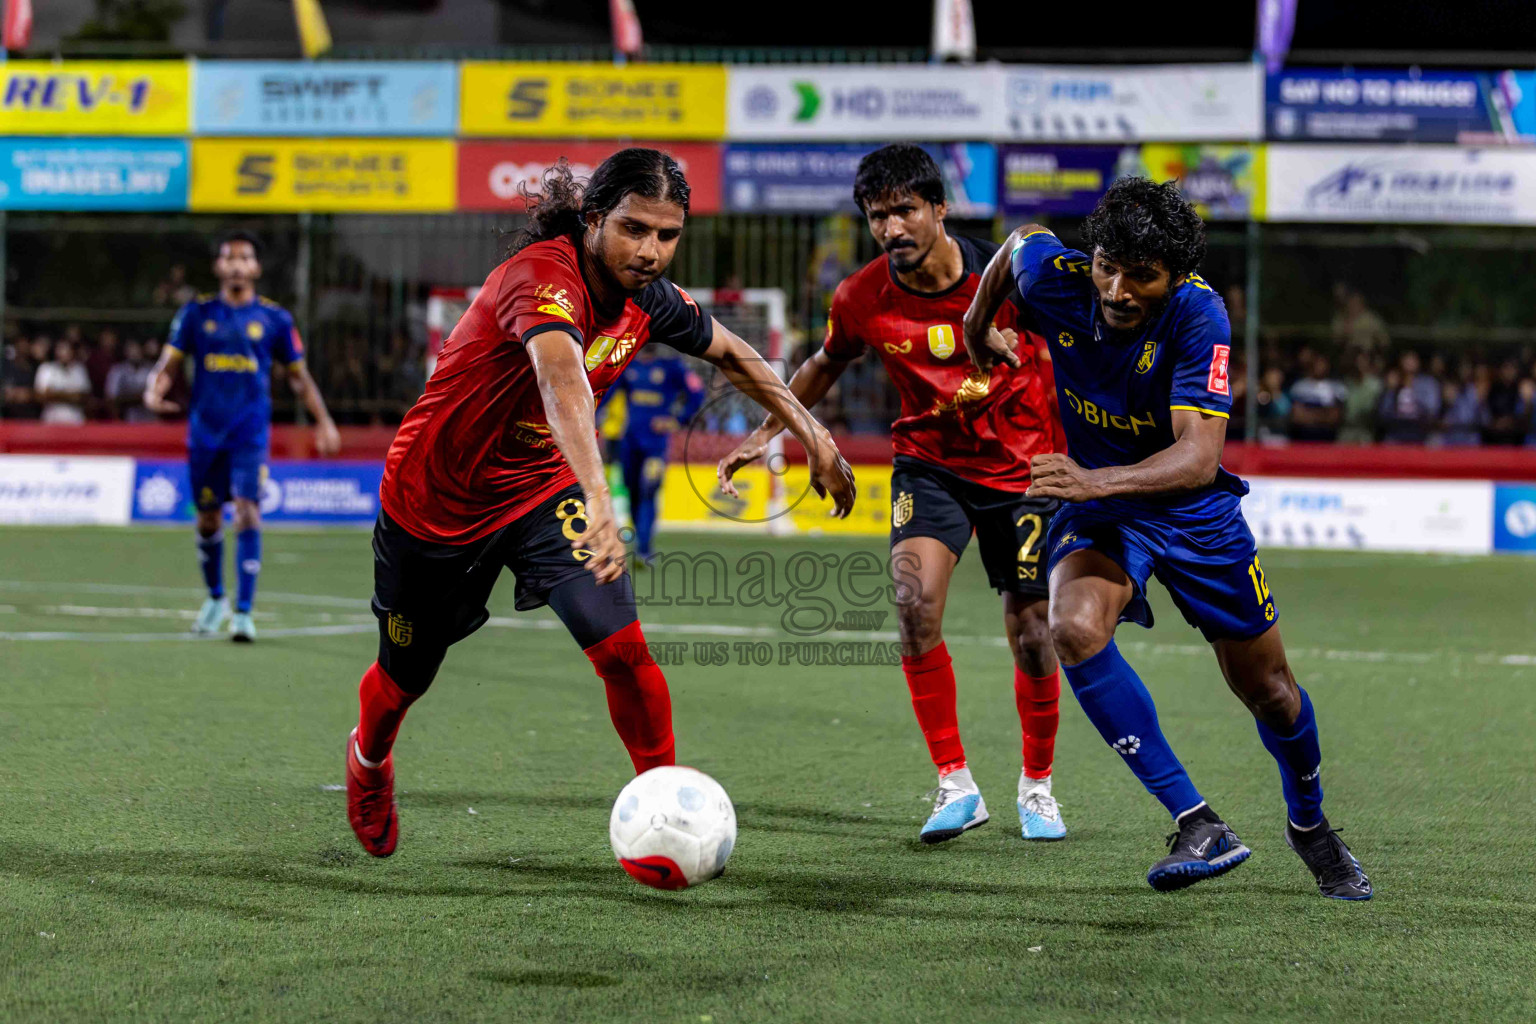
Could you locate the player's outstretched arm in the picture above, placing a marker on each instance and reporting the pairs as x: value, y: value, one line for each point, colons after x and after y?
x: 567, y: 394
x: 809, y: 385
x: 1190, y: 462
x: 161, y: 379
x: 984, y: 342
x: 327, y: 437
x: 753, y: 377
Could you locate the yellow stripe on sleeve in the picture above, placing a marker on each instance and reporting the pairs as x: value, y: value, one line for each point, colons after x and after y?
x: 1196, y: 408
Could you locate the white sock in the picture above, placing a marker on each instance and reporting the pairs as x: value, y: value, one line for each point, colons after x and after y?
x: 1187, y: 813
x: 358, y: 751
x: 961, y: 778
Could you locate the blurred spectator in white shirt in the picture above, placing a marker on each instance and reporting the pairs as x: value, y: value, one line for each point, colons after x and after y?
x: 63, y: 386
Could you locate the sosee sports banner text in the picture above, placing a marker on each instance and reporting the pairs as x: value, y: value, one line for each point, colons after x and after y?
x: 556, y: 100
x: 93, y: 174
x: 378, y: 175
x: 327, y: 97
x: 120, y: 97
x: 491, y: 172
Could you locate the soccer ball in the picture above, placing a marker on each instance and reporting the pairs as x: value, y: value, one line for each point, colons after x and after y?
x: 673, y: 827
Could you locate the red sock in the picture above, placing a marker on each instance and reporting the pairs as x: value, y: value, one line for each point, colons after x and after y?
x: 932, y: 682
x: 1038, y: 698
x: 383, y: 709
x: 638, y: 700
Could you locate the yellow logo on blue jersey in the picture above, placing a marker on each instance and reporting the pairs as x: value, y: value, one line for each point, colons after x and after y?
x: 210, y: 327
x: 229, y: 362
x: 1098, y: 416
x: 1065, y: 340
x: 1148, y: 354
x: 253, y: 330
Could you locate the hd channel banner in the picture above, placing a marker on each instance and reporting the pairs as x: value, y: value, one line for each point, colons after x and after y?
x: 93, y: 174
x: 326, y: 98
x: 1401, y: 184
x: 876, y: 101
x: 1401, y: 105
x: 808, y: 177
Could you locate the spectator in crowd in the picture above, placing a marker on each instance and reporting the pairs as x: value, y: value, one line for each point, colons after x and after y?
x: 125, y: 385
x: 1274, y: 406
x: 1506, y: 410
x: 1358, y: 425
x: 174, y: 290
x: 99, y: 362
x: 63, y: 386
x: 1462, y: 401
x: 1317, y: 403
x: 1355, y: 325
x: 1410, y: 402
x: 20, y: 373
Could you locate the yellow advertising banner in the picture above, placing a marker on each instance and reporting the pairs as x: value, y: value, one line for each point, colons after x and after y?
x: 116, y: 97
x: 659, y: 101
x: 690, y: 498
x: 352, y: 175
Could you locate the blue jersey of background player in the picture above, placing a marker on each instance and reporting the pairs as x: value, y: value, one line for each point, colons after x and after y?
x: 1140, y: 345
x: 232, y: 340
x: 661, y: 394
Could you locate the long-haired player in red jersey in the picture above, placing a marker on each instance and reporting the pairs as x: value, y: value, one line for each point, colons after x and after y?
x: 962, y: 450
x: 497, y: 464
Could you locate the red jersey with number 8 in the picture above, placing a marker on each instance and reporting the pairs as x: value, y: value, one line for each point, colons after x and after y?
x: 982, y: 427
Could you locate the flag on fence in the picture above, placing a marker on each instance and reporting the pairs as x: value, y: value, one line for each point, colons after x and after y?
x: 18, y: 24
x: 314, y: 33
x: 1277, y: 21
x: 626, y: 27
x: 954, y: 30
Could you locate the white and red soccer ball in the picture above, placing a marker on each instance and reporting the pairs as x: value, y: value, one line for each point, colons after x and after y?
x: 673, y: 827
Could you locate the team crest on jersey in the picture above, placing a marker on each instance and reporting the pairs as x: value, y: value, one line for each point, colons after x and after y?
x: 901, y: 510
x: 209, y: 327
x: 941, y: 340
x: 253, y: 331
x: 400, y: 630
x: 1065, y: 339
x: 1148, y: 354
x: 658, y: 375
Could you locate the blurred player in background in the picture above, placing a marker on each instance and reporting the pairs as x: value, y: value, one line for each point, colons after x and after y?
x: 233, y: 339
x: 1141, y: 348
x: 963, y: 445
x: 497, y: 464
x: 660, y: 395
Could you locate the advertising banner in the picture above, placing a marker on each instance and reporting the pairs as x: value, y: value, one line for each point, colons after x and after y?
x: 93, y: 174
x: 296, y: 491
x: 555, y: 100
x: 691, y: 499
x: 1065, y: 180
x: 109, y: 97
x: 363, y: 175
x: 1398, y: 105
x: 349, y: 97
x: 1225, y: 182
x: 882, y: 101
x: 55, y: 489
x: 807, y: 177
x: 1514, y: 518
x: 490, y: 172
x: 1092, y: 103
x: 1401, y: 184
x: 1376, y: 515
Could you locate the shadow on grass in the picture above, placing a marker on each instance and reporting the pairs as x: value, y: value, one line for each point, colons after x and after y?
x: 558, y: 979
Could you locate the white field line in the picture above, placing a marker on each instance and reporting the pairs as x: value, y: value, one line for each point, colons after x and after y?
x: 367, y: 625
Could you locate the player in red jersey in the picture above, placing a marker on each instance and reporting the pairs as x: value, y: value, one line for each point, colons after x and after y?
x: 963, y: 445
x: 497, y: 464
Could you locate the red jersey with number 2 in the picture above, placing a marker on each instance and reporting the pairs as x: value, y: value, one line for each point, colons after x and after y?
x: 475, y: 451
x: 982, y: 427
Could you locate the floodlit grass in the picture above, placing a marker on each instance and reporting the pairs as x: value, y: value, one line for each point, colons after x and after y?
x: 173, y: 847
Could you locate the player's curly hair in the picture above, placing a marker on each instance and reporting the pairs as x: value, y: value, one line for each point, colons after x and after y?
x: 561, y: 204
x: 1140, y: 221
x: 895, y: 169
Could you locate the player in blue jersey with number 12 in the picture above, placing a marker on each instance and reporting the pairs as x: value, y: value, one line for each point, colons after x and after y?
x: 232, y: 340
x: 1141, y: 346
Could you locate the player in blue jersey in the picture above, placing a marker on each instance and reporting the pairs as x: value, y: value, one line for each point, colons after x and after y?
x: 1141, y: 346
x: 232, y: 339
x: 661, y: 394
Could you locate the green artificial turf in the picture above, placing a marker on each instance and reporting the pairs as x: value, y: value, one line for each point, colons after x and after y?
x: 173, y: 847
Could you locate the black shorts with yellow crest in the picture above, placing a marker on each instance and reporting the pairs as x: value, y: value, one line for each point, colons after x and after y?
x: 428, y: 595
x: 930, y: 501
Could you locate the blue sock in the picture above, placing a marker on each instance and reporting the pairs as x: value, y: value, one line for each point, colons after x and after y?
x: 210, y: 558
x: 1300, y: 762
x: 248, y: 564
x: 1119, y: 706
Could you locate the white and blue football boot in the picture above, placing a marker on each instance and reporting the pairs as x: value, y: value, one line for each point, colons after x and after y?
x: 1039, y: 813
x: 957, y: 807
x: 242, y: 628
x: 211, y: 616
